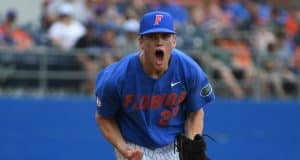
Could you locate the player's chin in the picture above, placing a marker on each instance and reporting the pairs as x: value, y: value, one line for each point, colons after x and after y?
x: 159, y: 67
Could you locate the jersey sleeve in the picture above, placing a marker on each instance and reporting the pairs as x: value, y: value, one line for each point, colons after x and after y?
x: 200, y: 90
x: 107, y: 97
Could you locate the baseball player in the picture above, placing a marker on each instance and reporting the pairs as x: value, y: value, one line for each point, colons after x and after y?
x: 150, y: 97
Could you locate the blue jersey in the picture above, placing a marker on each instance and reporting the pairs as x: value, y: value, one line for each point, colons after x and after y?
x: 151, y: 112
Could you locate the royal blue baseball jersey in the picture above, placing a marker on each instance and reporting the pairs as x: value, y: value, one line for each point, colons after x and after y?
x: 151, y: 112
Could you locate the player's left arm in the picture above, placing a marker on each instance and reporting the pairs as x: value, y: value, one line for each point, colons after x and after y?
x: 194, y: 123
x: 192, y: 145
x: 200, y: 93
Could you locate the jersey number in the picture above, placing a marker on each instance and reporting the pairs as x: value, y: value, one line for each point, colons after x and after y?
x: 166, y: 115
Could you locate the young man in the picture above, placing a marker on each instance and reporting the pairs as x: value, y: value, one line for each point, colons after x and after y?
x: 149, y: 97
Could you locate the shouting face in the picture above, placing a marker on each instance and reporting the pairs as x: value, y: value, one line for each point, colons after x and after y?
x: 156, y: 52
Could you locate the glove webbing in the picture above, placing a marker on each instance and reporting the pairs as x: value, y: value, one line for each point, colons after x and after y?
x: 188, y: 148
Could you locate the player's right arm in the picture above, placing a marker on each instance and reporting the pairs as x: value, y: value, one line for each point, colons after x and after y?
x: 111, y: 132
x: 108, y: 103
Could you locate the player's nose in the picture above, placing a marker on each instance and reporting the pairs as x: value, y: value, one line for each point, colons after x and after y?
x: 159, y: 39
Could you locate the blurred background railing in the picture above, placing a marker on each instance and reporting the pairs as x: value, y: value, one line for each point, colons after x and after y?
x: 48, y: 71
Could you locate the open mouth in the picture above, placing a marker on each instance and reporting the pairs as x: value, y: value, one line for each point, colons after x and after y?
x: 159, y: 54
x: 159, y: 57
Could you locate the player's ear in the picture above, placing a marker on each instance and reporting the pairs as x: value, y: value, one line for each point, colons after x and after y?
x: 140, y: 42
x: 174, y: 41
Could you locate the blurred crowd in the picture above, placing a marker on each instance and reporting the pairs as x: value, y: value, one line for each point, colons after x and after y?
x: 239, y: 42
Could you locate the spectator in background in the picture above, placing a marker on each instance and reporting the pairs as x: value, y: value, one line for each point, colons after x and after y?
x: 242, y: 62
x: 11, y: 35
x: 95, y: 52
x: 83, y: 8
x: 275, y: 23
x: 90, y: 40
x: 238, y: 11
x: 139, y: 7
x: 250, y: 18
x: 108, y: 45
x: 179, y: 13
x: 216, y: 20
x: 296, y: 39
x: 262, y: 37
x: 296, y: 61
x: 46, y: 18
x: 100, y: 19
x: 109, y: 13
x: 130, y: 13
x: 296, y: 55
x: 65, y: 32
x: 206, y: 21
x: 127, y: 41
x: 264, y: 11
x: 88, y: 56
x: 291, y: 24
x: 220, y: 61
x: 193, y: 34
x: 277, y: 77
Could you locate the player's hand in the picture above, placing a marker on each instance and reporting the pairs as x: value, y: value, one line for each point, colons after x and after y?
x: 134, y: 154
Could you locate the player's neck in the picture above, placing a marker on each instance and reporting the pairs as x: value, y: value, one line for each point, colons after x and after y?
x: 149, y: 69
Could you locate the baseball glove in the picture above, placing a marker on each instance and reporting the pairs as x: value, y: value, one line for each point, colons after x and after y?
x: 191, y: 149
